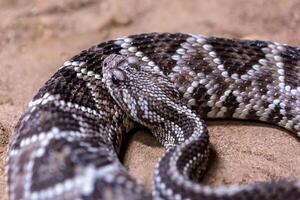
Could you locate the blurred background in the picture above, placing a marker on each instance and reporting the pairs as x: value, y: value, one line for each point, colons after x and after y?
x: 37, y: 36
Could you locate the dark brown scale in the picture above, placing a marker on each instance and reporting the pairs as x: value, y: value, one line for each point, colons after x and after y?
x: 84, y: 157
x: 197, y: 146
x: 108, y: 190
x: 96, y: 54
x: 159, y: 48
x: 60, y: 83
x: 172, y: 115
x: 263, y: 79
x: 202, y: 98
x: 237, y: 56
x: 198, y: 63
x: 43, y: 119
x: 275, y: 116
x: 61, y: 166
x: 222, y: 86
x: 231, y: 104
x: 82, y: 95
x: 165, y: 173
x: 54, y: 166
x: 70, y: 89
x: 291, y: 60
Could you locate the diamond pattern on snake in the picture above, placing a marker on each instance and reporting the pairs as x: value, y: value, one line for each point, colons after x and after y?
x: 66, y: 143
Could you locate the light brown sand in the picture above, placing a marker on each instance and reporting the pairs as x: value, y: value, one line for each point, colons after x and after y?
x: 37, y: 36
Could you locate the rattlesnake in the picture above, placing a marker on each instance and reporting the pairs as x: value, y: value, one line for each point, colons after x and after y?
x: 66, y: 144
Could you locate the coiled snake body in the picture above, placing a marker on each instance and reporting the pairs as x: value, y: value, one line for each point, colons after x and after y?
x: 66, y: 144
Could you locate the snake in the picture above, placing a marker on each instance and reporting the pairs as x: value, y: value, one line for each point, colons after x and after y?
x: 67, y: 143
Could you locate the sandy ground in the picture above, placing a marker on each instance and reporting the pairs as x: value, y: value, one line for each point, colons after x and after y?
x: 38, y: 36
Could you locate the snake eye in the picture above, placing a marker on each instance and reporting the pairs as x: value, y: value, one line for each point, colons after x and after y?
x: 117, y: 76
x: 115, y: 80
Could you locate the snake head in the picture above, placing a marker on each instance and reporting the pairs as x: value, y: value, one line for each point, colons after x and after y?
x: 139, y: 90
x: 149, y: 98
x: 117, y: 79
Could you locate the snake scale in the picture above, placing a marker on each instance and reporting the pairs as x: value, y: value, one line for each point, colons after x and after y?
x: 67, y: 142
